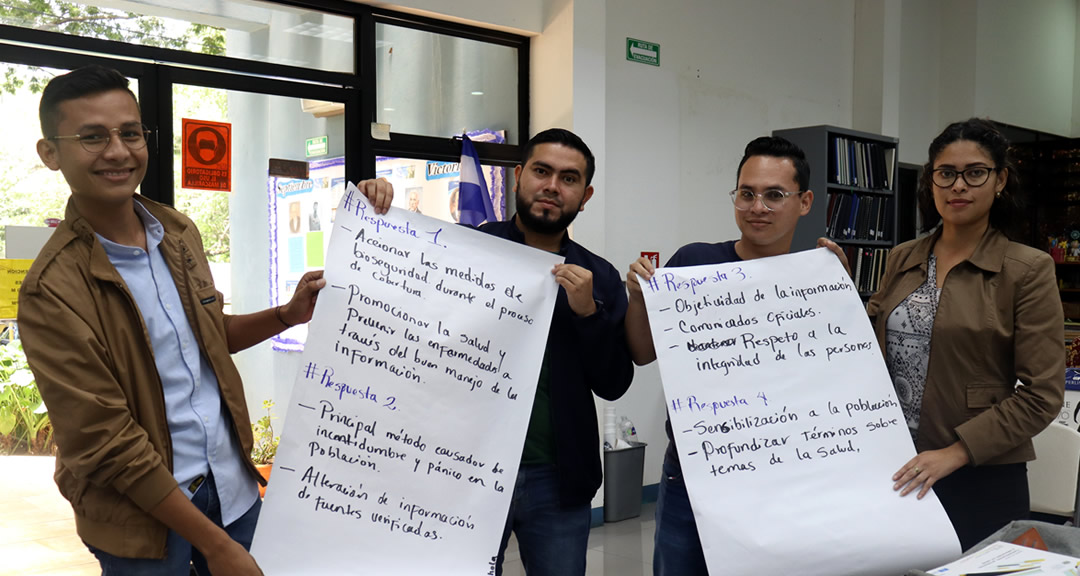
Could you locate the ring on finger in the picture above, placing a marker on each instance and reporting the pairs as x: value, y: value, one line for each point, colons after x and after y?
x: 917, y: 471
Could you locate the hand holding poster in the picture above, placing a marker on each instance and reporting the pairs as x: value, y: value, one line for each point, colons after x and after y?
x: 409, y: 414
x: 786, y: 423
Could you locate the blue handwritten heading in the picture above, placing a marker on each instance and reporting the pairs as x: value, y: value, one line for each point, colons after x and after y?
x: 669, y: 282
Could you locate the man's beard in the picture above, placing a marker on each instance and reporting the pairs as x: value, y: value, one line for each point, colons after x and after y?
x: 541, y: 226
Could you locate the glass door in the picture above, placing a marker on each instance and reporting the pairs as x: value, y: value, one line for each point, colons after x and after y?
x: 262, y: 228
x: 32, y: 197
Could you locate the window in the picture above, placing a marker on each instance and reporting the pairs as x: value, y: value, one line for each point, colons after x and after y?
x: 262, y: 32
x: 435, y: 84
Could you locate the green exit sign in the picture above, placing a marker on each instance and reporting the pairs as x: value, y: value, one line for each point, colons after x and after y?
x: 642, y: 51
x: 316, y: 146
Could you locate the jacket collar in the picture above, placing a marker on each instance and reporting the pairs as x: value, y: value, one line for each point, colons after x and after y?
x: 989, y: 255
x: 100, y: 266
x: 167, y: 217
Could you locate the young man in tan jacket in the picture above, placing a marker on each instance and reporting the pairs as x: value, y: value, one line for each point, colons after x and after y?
x: 126, y: 336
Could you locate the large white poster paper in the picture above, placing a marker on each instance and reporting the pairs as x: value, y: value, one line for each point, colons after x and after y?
x: 786, y: 422
x: 410, y: 410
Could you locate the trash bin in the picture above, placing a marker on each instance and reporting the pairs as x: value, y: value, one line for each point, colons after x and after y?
x: 624, y: 471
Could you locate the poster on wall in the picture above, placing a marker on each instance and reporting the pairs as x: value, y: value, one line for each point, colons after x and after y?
x: 206, y: 155
x: 302, y: 210
x: 12, y: 272
x: 430, y: 187
x: 302, y: 213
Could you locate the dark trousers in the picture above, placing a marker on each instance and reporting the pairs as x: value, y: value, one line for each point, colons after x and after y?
x: 552, y: 539
x: 181, y: 555
x: 980, y: 500
x: 677, y: 547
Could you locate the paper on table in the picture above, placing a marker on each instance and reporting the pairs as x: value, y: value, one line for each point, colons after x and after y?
x: 1007, y: 558
x: 408, y: 417
x: 786, y: 422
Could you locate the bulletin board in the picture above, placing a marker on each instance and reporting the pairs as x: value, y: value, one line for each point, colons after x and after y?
x: 302, y: 213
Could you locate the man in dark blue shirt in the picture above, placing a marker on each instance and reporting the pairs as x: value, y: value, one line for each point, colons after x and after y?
x: 586, y: 353
x: 770, y: 197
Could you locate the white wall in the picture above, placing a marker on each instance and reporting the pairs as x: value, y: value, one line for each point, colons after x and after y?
x: 956, y: 57
x: 868, y: 81
x: 1013, y: 62
x: 590, y: 120
x: 1026, y: 55
x: 919, y: 84
x: 551, y: 59
x: 876, y: 78
x: 730, y: 71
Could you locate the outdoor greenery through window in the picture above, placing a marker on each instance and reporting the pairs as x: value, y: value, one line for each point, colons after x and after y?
x: 104, y: 23
x: 30, y: 193
x: 258, y: 31
x: 209, y: 210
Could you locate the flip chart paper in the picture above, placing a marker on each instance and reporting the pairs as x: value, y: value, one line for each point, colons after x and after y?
x: 409, y: 413
x: 786, y: 422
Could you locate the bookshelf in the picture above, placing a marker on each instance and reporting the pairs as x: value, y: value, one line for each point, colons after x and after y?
x: 854, y: 177
x: 1050, y: 181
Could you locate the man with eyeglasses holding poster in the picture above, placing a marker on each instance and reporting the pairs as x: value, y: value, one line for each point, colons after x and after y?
x: 127, y: 338
x: 769, y: 199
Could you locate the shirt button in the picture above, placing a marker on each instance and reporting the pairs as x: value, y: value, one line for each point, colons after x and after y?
x: 206, y: 420
x: 136, y: 252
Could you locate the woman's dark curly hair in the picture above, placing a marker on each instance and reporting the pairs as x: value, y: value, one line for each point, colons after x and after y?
x: 993, y: 142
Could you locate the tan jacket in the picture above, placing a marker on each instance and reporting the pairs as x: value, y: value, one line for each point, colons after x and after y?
x: 91, y: 355
x: 999, y: 320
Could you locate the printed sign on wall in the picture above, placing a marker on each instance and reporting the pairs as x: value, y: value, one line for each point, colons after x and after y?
x: 207, y: 155
x: 12, y: 272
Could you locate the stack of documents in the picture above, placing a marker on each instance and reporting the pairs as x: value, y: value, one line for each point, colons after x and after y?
x: 1003, y: 558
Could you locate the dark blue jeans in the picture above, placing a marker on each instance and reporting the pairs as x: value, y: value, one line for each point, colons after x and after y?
x: 180, y: 555
x: 552, y: 539
x: 677, y: 549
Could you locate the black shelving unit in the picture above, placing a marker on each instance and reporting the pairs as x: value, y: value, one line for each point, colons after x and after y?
x: 1050, y: 183
x: 854, y: 177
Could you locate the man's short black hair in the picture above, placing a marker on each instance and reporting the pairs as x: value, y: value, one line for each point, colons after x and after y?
x: 566, y: 138
x: 778, y: 147
x: 79, y: 83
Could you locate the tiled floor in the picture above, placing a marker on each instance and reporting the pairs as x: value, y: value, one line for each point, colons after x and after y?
x: 618, y: 549
x: 37, y: 532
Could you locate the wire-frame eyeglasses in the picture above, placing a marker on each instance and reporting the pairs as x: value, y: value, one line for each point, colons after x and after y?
x: 97, y: 140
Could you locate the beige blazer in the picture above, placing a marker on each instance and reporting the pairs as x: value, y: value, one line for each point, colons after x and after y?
x: 999, y: 320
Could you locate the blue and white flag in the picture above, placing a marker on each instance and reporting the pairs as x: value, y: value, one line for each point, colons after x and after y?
x: 474, y: 201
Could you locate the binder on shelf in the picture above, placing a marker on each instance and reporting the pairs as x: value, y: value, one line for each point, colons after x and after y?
x: 849, y: 232
x: 856, y: 176
x: 857, y: 270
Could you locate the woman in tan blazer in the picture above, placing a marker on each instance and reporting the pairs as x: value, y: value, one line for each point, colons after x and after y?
x: 973, y: 334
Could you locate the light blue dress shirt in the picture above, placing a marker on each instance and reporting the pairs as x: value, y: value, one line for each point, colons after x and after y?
x: 198, y: 425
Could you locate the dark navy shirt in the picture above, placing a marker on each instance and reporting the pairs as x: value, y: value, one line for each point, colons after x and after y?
x: 696, y: 254
x: 585, y: 356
